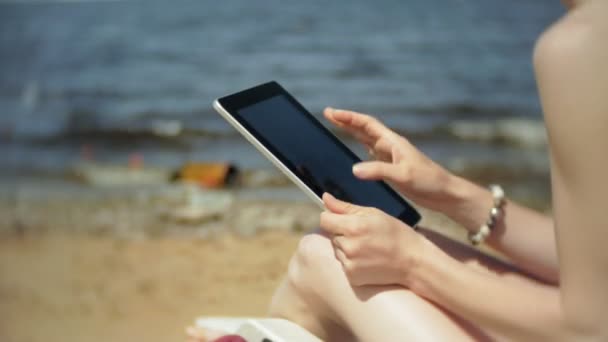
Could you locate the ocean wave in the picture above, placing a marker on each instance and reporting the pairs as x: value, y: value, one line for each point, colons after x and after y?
x: 182, y: 128
x: 467, y: 110
x: 509, y: 131
x: 143, y: 127
x: 512, y: 132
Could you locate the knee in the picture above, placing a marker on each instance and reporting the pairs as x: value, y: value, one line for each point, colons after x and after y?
x: 311, y: 262
x: 314, y: 250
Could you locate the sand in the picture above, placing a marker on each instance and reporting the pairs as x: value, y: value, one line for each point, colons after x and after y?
x: 140, y: 263
x: 58, y: 287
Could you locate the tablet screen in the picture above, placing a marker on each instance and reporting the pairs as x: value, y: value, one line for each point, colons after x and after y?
x: 321, y: 161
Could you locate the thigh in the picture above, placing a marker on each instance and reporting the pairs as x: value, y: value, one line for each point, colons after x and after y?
x: 385, y: 312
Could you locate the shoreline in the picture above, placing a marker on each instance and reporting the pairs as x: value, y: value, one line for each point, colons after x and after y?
x: 174, y: 210
x: 108, y: 199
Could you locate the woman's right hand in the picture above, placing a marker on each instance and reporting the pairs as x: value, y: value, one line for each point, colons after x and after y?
x: 397, y: 161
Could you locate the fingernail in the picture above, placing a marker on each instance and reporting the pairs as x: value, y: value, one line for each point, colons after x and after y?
x: 357, y: 169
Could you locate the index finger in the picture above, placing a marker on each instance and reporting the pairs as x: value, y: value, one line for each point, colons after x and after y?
x: 336, y: 224
x: 357, y: 122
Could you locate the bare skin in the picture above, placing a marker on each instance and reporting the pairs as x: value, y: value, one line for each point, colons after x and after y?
x: 368, y: 277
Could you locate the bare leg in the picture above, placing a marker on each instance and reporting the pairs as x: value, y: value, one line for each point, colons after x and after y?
x: 289, y: 303
x: 317, y: 295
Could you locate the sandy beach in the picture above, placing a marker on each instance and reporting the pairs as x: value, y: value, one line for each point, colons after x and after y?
x: 82, y: 288
x: 84, y: 263
x: 79, y: 263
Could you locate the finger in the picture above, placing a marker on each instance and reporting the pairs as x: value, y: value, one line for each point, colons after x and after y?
x: 337, y: 224
x: 379, y: 170
x: 357, y: 134
x: 328, y: 114
x: 340, y: 116
x: 385, y: 145
x: 355, y: 123
x: 340, y: 255
x: 371, y: 152
x: 362, y: 123
x: 346, y: 245
x: 337, y: 206
x: 338, y: 241
x: 362, y: 138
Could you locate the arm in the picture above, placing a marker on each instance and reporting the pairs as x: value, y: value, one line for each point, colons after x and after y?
x: 375, y: 248
x: 509, y: 306
x: 525, y: 236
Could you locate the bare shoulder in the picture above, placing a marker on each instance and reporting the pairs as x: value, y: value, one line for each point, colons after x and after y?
x: 572, y: 74
x: 580, y: 33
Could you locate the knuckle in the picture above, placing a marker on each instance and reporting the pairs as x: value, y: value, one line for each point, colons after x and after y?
x: 372, y: 119
x: 364, y: 226
x: 357, y: 228
x: 323, y: 219
x: 349, y: 268
x: 352, y: 230
x: 350, y: 250
x: 402, y: 141
x: 406, y: 174
x: 367, y: 117
x: 369, y: 217
x: 349, y: 207
x: 373, y: 211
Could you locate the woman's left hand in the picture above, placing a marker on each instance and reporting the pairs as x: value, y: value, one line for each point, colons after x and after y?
x: 373, y: 247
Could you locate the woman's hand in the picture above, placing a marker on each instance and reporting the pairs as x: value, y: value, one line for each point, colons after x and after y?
x: 373, y: 247
x: 397, y: 161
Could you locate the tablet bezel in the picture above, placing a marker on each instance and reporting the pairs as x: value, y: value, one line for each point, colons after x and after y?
x: 229, y: 106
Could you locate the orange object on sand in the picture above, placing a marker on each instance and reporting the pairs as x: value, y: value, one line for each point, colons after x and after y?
x: 209, y: 175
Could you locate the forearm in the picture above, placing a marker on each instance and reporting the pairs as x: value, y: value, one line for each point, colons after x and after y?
x: 506, y: 306
x: 525, y: 236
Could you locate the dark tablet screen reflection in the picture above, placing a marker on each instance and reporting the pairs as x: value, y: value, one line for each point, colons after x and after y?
x: 313, y: 155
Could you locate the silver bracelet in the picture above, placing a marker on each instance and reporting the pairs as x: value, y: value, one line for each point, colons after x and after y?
x: 496, y: 213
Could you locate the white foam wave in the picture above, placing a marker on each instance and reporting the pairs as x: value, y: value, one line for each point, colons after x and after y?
x: 516, y: 131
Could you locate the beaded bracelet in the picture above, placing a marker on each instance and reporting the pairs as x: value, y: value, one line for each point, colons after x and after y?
x: 496, y: 213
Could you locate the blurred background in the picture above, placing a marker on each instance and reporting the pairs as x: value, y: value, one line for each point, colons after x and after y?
x: 128, y: 206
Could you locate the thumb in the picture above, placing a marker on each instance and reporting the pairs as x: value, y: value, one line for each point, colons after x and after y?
x: 376, y: 170
x: 337, y: 206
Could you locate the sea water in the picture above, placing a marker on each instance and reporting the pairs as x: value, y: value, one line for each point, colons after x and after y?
x: 116, y: 78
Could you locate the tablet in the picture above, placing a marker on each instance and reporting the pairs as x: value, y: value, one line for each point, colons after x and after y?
x: 305, y: 151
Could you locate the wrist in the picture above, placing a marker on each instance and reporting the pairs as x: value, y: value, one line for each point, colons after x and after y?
x: 469, y: 203
x: 427, y: 261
